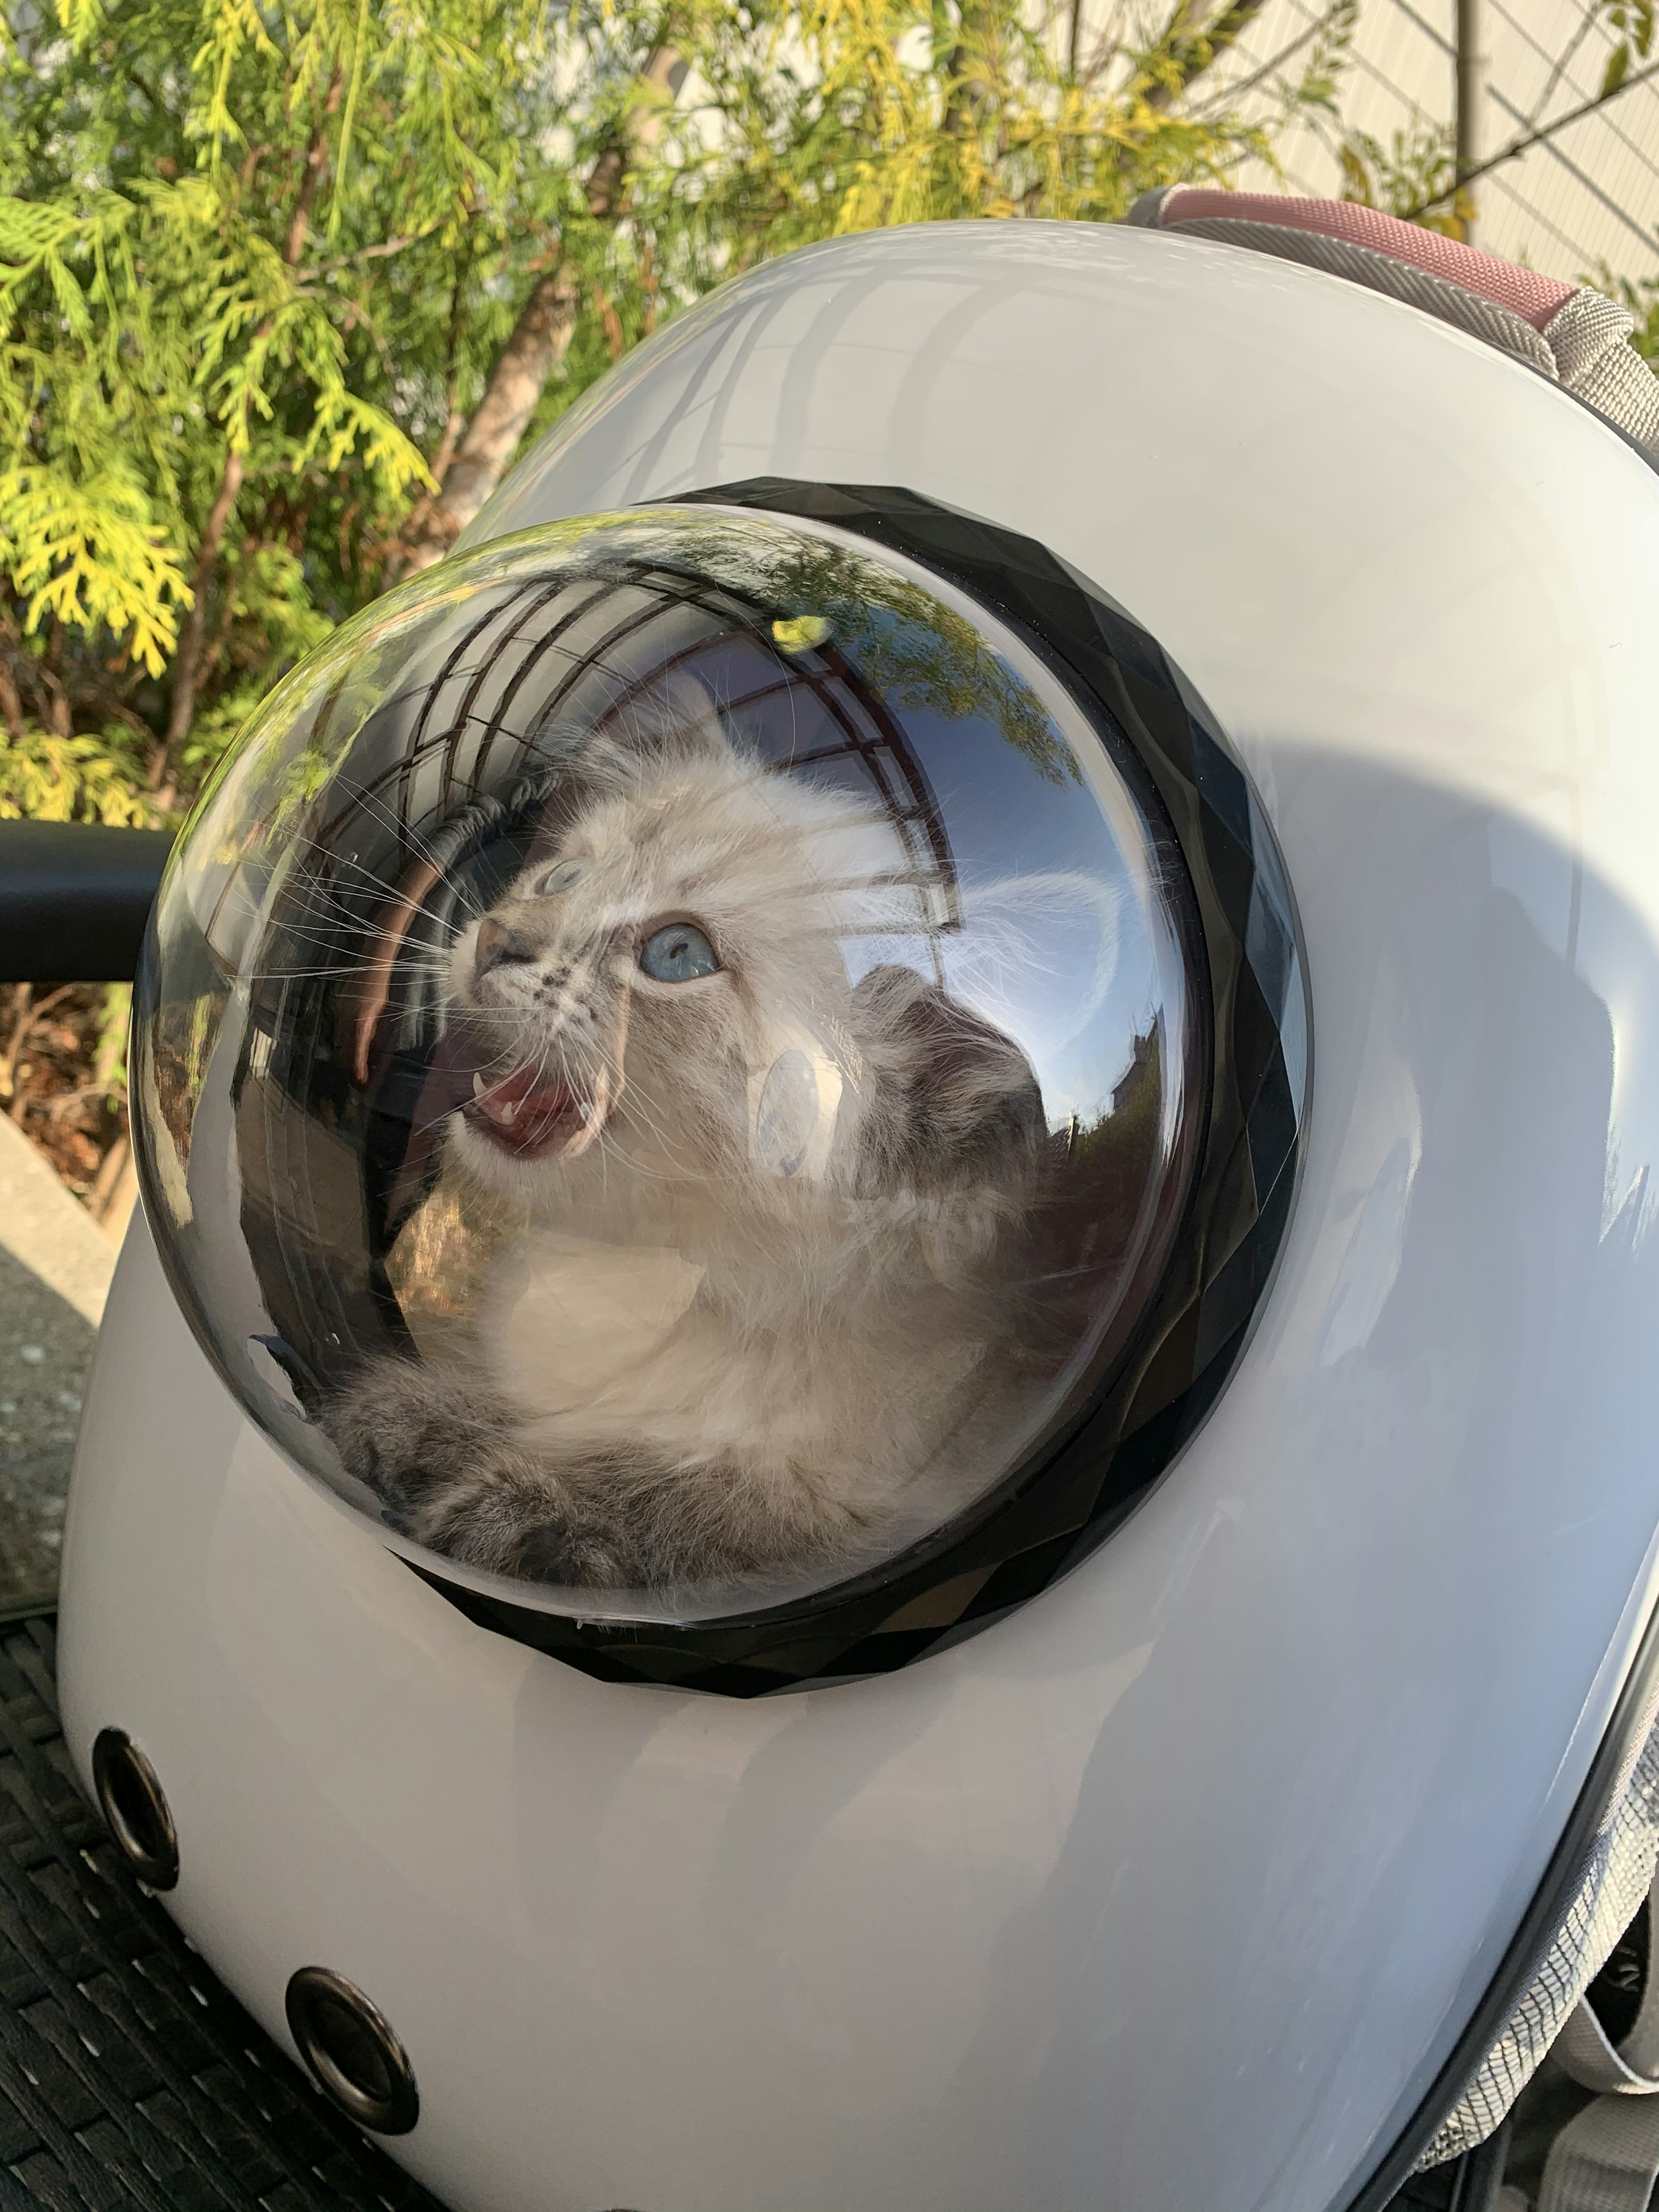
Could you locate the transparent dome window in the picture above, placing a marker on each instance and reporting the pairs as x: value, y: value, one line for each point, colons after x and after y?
x: 668, y: 1070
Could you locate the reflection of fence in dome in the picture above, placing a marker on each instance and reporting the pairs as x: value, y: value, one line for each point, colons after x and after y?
x: 551, y: 664
x: 447, y: 780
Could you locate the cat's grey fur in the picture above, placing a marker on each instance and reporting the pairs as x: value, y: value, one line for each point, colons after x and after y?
x: 690, y: 1369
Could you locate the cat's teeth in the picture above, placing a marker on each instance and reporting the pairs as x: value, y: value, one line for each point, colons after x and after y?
x: 479, y: 1086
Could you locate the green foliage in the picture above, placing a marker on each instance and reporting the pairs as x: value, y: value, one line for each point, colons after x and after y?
x: 45, y: 778
x: 1412, y: 175
x: 1633, y: 20
x: 200, y: 206
x: 844, y: 115
x: 258, y: 259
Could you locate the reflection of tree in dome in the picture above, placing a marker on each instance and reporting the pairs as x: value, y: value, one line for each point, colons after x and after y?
x: 175, y: 1060
x: 1111, y: 1172
x: 1137, y: 1105
x: 906, y: 643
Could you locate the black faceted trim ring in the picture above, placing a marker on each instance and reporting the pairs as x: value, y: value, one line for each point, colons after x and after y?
x: 1051, y: 1515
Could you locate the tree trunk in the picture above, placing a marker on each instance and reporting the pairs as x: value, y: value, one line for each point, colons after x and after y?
x: 187, y: 662
x: 536, y: 346
x: 965, y: 72
x: 11, y: 706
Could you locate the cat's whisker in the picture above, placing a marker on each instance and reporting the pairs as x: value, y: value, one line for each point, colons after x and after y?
x: 325, y: 881
x: 433, y: 972
x: 375, y: 807
x: 371, y: 802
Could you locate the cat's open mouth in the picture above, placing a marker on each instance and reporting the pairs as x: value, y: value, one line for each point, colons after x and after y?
x: 529, y: 1113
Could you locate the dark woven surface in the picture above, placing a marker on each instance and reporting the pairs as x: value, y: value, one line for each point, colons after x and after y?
x: 129, y: 2078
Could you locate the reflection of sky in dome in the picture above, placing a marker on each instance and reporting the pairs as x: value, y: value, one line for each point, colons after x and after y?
x: 1052, y: 948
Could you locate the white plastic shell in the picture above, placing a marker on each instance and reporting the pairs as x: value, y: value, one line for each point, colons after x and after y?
x: 1175, y: 1888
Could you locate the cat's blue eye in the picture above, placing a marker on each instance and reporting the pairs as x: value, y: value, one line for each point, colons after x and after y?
x: 561, y: 877
x: 678, y: 954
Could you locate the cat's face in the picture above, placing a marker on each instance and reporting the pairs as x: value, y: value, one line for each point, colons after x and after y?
x: 636, y: 995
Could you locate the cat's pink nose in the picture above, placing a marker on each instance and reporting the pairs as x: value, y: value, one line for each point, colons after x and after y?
x: 497, y: 944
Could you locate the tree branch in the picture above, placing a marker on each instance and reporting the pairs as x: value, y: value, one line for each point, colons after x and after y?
x: 383, y: 251
x: 1193, y: 49
x: 11, y: 706
x: 1275, y: 61
x: 1528, y: 139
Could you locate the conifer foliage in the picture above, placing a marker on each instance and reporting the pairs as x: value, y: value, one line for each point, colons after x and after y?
x: 285, y: 283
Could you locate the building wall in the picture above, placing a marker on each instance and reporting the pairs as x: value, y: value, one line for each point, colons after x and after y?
x: 1588, y: 197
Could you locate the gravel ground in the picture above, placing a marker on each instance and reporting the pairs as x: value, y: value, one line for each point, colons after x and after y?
x: 55, y: 1267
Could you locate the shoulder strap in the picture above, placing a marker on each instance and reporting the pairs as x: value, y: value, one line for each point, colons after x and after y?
x: 1574, y: 335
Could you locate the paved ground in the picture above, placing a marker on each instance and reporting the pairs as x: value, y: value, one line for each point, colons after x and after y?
x: 55, y: 1268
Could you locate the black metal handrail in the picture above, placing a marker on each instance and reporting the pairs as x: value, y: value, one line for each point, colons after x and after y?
x: 74, y: 900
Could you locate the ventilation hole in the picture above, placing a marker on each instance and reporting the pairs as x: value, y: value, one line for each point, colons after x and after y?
x: 350, y: 2049
x: 136, y: 1810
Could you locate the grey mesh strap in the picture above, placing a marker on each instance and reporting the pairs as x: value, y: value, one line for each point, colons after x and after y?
x: 1584, y: 346
x: 1607, y: 2160
x: 1618, y: 1872
x: 1590, y: 337
x: 1379, y: 272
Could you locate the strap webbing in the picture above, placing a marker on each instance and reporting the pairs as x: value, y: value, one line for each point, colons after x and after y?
x: 1631, y: 2067
x: 1607, y: 2160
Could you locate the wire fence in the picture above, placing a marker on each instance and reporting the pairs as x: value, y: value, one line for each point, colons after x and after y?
x: 1583, y: 201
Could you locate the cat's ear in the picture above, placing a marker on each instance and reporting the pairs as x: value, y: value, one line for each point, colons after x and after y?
x: 950, y: 1101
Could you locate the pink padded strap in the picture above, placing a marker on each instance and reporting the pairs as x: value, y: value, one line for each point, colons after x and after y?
x: 1536, y: 299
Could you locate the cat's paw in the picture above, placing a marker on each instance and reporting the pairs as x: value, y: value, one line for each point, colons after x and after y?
x: 410, y: 1430
x: 447, y: 1472
x: 514, y: 1517
x: 560, y: 1551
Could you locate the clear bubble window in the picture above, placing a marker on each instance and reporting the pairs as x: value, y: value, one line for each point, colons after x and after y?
x: 669, y: 1068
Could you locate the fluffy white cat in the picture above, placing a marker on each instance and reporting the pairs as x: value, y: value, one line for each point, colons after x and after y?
x: 761, y: 1317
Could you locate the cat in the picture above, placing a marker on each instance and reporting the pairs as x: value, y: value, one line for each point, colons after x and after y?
x: 758, y: 1319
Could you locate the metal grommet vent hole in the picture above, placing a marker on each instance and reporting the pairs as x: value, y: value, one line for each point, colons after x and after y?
x: 133, y: 1803
x: 349, y: 2045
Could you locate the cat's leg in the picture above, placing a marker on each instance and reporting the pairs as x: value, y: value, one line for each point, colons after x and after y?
x: 407, y: 1427
x: 439, y: 1450
x: 721, y: 1518
x: 457, y: 1473
x: 614, y: 1518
